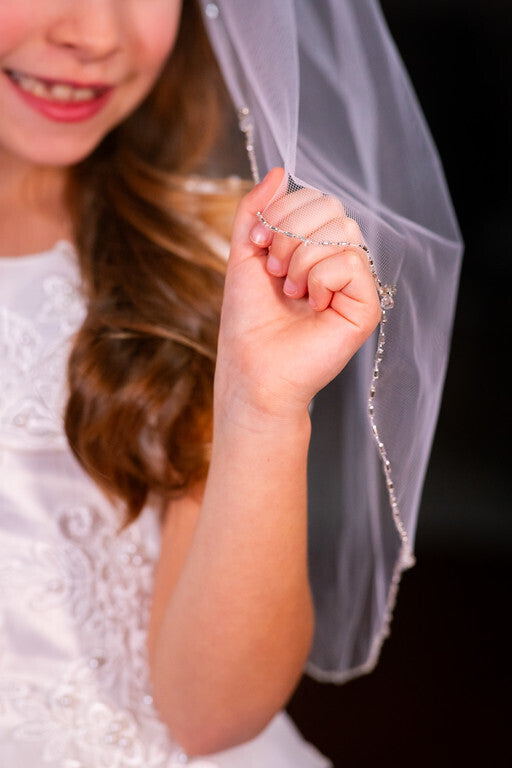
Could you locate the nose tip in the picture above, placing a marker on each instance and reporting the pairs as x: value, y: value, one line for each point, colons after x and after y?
x: 91, y: 29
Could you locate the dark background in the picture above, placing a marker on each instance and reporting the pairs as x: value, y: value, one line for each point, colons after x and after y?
x: 441, y: 694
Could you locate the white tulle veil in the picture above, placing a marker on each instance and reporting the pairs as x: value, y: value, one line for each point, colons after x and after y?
x: 320, y: 89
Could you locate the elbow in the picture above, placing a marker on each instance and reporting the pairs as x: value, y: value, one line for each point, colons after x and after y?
x: 201, y: 740
x: 214, y: 709
x: 212, y: 722
x: 202, y: 729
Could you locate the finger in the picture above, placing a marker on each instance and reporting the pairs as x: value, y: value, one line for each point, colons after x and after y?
x: 261, y: 235
x: 304, y: 220
x: 306, y: 256
x: 346, y: 284
x: 242, y: 246
x: 280, y: 209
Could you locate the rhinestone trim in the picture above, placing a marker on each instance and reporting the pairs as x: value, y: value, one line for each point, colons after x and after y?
x: 247, y: 128
x: 212, y: 11
x: 386, y: 294
x: 386, y: 297
x: 386, y: 464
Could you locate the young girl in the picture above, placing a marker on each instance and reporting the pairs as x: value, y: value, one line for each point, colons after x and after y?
x: 153, y: 526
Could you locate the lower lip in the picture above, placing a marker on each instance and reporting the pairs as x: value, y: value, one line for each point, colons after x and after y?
x: 64, y: 111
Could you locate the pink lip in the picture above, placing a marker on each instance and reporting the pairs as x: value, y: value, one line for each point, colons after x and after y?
x: 66, y: 111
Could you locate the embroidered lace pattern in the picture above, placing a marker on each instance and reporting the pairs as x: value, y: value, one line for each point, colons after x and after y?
x: 33, y: 350
x: 74, y: 590
x: 95, y: 585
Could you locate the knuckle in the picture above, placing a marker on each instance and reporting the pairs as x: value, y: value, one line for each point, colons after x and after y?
x: 333, y: 208
x: 281, y: 248
x: 294, y: 220
x: 352, y: 259
x: 316, y: 278
x: 306, y: 196
x: 301, y: 260
x: 351, y: 231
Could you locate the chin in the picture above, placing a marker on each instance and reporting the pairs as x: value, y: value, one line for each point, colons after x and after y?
x: 63, y: 159
x: 56, y: 153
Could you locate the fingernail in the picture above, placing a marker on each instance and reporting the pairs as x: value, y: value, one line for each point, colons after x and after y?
x: 312, y: 303
x: 260, y: 235
x: 274, y: 266
x: 289, y: 287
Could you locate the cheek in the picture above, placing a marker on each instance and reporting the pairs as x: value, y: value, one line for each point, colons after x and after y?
x: 157, y: 36
x: 16, y: 23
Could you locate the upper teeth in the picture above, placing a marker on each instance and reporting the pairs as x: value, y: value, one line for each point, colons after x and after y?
x: 56, y: 91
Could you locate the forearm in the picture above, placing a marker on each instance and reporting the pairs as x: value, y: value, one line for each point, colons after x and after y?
x: 236, y: 631
x: 234, y: 634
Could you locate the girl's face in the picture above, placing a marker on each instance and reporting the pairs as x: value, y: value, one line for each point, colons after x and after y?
x: 71, y: 70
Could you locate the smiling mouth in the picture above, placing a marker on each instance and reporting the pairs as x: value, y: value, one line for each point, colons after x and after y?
x: 55, y: 91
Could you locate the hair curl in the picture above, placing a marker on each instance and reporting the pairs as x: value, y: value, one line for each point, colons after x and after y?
x: 141, y: 369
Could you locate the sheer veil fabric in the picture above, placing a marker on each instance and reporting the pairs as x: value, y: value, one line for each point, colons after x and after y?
x: 321, y: 90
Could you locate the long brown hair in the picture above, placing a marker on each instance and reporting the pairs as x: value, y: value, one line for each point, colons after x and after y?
x: 141, y: 370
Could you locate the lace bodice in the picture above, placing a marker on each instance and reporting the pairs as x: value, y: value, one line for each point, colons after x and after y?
x: 40, y: 307
x: 75, y: 590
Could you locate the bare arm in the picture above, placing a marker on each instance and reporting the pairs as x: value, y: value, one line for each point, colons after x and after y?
x: 232, y: 616
x: 235, y: 635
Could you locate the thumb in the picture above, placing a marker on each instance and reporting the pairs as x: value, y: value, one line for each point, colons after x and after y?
x: 256, y: 200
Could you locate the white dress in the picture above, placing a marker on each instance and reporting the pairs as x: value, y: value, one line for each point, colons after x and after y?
x: 74, y: 592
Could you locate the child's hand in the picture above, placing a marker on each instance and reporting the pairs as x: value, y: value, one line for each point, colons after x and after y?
x: 293, y: 314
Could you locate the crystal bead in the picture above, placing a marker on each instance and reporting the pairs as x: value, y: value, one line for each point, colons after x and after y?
x: 212, y: 11
x: 179, y: 759
x: 387, y: 301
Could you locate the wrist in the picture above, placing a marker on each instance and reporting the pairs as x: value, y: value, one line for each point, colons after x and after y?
x: 257, y: 402
x: 259, y: 413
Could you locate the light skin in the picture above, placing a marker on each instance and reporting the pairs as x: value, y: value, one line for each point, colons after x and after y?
x: 232, y: 620
x: 121, y: 44
x: 232, y: 630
